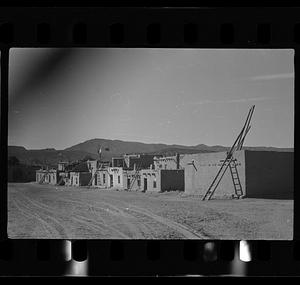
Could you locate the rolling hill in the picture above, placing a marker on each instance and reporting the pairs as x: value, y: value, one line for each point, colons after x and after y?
x: 46, y: 156
x: 112, y: 148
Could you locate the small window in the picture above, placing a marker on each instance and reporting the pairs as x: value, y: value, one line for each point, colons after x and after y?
x: 103, y: 178
x: 139, y: 182
x: 119, y: 179
x: 154, y: 184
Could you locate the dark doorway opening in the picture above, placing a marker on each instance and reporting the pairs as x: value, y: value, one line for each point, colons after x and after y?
x: 128, y: 183
x: 111, y: 180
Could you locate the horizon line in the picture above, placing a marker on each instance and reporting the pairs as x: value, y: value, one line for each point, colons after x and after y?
x: 157, y: 143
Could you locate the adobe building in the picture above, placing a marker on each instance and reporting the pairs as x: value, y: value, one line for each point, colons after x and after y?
x: 92, y: 165
x: 44, y: 176
x: 263, y: 174
x: 142, y: 161
x: 61, y: 166
x: 80, y: 175
x: 165, y: 174
x: 53, y: 176
x: 115, y: 177
x: 161, y: 180
x: 167, y: 162
x: 101, y: 179
x: 131, y: 179
x: 109, y: 177
x: 117, y: 162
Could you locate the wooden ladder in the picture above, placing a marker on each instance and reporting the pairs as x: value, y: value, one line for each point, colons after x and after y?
x: 43, y: 178
x: 94, y: 175
x: 60, y: 180
x: 236, y: 179
x: 215, y: 183
x: 135, y: 176
x: 230, y: 162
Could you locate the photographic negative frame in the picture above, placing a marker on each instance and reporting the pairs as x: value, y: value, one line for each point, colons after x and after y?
x: 149, y: 27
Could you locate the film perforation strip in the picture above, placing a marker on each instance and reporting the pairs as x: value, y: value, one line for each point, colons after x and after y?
x: 189, y: 34
x: 154, y: 33
x: 192, y: 250
x: 43, y: 33
x: 153, y: 253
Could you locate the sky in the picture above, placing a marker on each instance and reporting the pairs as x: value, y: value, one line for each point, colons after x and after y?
x: 62, y: 97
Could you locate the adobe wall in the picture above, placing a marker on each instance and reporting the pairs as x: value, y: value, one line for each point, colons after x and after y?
x: 151, y: 176
x: 165, y: 162
x: 74, y: 178
x: 207, y: 165
x: 130, y: 180
x: 171, y: 180
x: 51, y: 177
x: 92, y: 165
x: 115, y: 172
x: 84, y: 178
x: 101, y: 179
x: 117, y: 162
x: 269, y: 174
x: 146, y: 160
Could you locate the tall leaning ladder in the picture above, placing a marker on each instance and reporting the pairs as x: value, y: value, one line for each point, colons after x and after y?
x: 231, y: 162
x: 60, y: 180
x: 135, y: 177
x: 43, y: 178
x: 94, y: 175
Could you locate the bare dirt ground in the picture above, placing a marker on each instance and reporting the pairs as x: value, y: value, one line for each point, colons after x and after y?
x: 44, y: 211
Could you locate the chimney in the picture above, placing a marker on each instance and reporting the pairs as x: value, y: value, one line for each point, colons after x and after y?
x: 177, y: 160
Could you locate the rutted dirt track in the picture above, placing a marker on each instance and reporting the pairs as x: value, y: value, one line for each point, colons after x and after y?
x: 44, y: 211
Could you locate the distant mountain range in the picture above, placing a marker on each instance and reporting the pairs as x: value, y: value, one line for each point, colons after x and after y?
x: 112, y: 148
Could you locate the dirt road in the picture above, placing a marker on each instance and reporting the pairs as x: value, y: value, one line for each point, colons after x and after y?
x: 44, y: 211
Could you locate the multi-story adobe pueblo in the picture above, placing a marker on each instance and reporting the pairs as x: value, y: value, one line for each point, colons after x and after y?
x: 272, y: 177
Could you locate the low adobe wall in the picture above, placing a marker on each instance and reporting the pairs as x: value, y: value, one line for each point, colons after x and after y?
x: 197, y: 180
x: 84, y: 178
x: 269, y: 174
x: 171, y: 180
x: 150, y: 180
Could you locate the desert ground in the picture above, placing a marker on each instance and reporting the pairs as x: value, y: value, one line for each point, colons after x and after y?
x: 45, y: 211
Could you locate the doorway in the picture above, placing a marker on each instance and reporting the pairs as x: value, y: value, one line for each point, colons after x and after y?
x: 111, y: 180
x: 145, y: 184
x: 96, y: 179
x: 128, y: 183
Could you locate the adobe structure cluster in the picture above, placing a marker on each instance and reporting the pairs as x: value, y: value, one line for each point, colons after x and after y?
x: 262, y: 174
